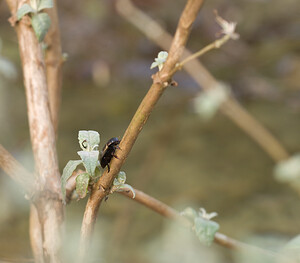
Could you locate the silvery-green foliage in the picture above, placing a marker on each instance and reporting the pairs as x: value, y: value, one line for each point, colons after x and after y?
x: 40, y: 21
x: 120, y: 186
x: 67, y: 173
x: 288, y: 170
x: 88, y: 140
x: 208, y: 102
x: 160, y: 60
x: 89, y: 160
x: 24, y: 10
x: 82, y: 183
x: 89, y: 143
x: 203, y: 226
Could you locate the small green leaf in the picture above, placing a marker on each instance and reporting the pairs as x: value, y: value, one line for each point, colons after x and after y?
x: 24, y: 10
x: 205, y: 230
x: 207, y: 103
x: 160, y: 60
x: 288, y: 170
x: 7, y: 69
x: 45, y: 4
x: 82, y: 183
x: 120, y: 179
x: 190, y: 213
x: 34, y: 4
x: 67, y: 172
x: 125, y: 187
x: 88, y: 140
x: 90, y: 160
x: 41, y: 23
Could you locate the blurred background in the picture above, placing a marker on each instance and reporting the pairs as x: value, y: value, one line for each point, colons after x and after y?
x: 178, y: 158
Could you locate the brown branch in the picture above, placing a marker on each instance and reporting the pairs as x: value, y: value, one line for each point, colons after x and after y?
x: 221, y: 239
x: 231, y: 108
x: 47, y: 199
x: 16, y: 171
x: 156, y: 206
x: 36, y: 237
x: 160, y: 82
x: 54, y: 62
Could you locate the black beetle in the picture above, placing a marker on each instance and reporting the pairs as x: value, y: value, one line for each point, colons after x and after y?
x: 108, y: 152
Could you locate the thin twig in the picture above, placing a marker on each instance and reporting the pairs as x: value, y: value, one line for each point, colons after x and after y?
x: 231, y: 108
x: 168, y: 212
x: 216, y: 44
x: 160, y: 82
x: 221, y: 239
x: 15, y: 170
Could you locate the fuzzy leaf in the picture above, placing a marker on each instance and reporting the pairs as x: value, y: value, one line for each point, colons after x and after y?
x: 160, y: 60
x: 67, y: 172
x: 82, y: 182
x: 190, y: 213
x: 34, y: 4
x: 208, y: 102
x: 7, y: 68
x: 45, y: 4
x: 288, y: 170
x: 24, y: 10
x: 205, y: 230
x: 120, y: 179
x: 41, y: 23
x: 88, y: 140
x: 90, y: 160
x: 125, y: 187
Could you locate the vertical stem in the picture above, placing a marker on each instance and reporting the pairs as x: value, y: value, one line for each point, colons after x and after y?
x: 36, y: 237
x: 43, y: 142
x: 54, y: 63
x: 47, y: 198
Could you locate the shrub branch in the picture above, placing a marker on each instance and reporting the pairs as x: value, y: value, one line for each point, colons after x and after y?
x: 231, y: 107
x: 160, y: 82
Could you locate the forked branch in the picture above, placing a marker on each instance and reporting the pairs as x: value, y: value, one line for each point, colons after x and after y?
x: 231, y: 108
x: 160, y: 82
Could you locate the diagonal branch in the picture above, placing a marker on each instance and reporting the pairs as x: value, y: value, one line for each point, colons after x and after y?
x: 160, y: 82
x: 221, y: 239
x: 16, y: 171
x: 231, y: 108
x: 158, y: 207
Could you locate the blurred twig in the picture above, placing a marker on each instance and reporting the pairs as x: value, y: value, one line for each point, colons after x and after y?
x: 221, y: 239
x: 15, y: 170
x: 54, y: 62
x: 160, y: 82
x: 231, y: 107
x: 165, y: 211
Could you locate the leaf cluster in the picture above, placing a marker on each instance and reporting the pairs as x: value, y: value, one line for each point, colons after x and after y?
x: 40, y: 21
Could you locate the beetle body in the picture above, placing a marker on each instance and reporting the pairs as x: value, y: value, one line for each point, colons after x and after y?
x: 108, y: 152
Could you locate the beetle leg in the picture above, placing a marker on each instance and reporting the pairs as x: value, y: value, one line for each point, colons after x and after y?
x: 108, y: 168
x: 118, y: 147
x: 116, y: 157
